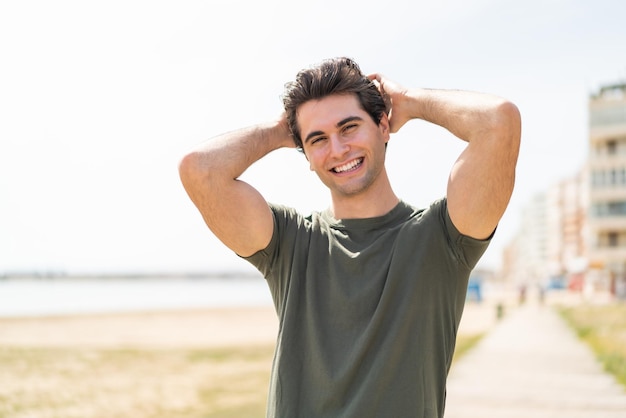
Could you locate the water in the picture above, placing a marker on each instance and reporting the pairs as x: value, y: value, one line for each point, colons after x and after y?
x: 25, y: 297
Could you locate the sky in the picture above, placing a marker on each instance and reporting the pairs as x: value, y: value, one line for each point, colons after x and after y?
x: 100, y: 100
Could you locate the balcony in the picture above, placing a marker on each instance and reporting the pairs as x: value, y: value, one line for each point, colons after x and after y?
x: 607, y: 194
x: 599, y: 135
x: 605, y: 256
x: 607, y: 223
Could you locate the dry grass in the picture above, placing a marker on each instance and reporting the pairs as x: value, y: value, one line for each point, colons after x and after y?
x: 140, y: 383
x: 603, y: 327
x: 90, y: 383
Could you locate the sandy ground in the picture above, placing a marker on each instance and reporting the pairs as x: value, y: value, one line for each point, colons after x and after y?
x: 179, y: 328
x: 221, y: 327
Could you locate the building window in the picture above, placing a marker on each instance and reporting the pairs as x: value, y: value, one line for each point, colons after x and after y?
x: 613, y: 177
x: 607, y: 209
x: 613, y: 115
x: 613, y: 239
x: 595, y: 178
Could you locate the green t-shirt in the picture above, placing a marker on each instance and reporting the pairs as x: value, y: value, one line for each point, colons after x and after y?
x: 368, y: 311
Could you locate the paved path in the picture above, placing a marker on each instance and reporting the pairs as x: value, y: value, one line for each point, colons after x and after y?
x: 532, y: 365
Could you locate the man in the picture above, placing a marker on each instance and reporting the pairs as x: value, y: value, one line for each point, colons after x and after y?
x: 370, y: 292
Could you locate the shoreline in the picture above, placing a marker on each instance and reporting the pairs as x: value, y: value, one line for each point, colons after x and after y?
x: 203, y: 327
x: 217, y: 327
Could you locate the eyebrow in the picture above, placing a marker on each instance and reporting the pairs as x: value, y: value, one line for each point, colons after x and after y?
x: 338, y: 125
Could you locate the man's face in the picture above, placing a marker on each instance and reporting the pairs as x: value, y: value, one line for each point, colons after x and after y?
x: 344, y: 146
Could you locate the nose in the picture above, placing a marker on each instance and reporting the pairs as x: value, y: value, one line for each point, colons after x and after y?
x: 338, y: 147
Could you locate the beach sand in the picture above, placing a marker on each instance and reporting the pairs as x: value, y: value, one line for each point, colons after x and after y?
x: 212, y: 328
x: 220, y: 327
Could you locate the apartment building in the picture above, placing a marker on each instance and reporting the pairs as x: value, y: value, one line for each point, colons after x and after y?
x: 607, y: 189
x: 550, y: 249
x: 574, y: 234
x: 566, y: 223
x: 525, y: 261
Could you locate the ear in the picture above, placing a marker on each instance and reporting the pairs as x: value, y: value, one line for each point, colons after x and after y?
x: 383, y: 125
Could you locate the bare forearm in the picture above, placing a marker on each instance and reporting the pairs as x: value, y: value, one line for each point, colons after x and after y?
x: 228, y: 155
x: 467, y: 115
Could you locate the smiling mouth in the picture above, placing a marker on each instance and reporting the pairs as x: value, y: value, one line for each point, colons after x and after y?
x: 351, y: 166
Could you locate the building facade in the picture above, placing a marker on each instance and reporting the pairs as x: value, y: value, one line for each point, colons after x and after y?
x: 567, y: 208
x: 574, y: 234
x: 550, y: 249
x: 525, y: 259
x: 607, y: 189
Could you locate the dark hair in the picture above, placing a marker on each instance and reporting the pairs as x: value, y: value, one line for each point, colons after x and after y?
x: 332, y: 76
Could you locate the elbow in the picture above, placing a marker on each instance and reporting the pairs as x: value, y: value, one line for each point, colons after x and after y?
x: 190, y: 168
x: 507, y: 125
x: 186, y: 166
x: 509, y: 118
x: 510, y: 134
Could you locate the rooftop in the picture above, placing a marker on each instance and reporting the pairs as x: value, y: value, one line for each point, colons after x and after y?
x: 611, y: 91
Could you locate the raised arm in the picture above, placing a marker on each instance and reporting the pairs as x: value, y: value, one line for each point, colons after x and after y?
x: 482, y: 178
x: 236, y: 212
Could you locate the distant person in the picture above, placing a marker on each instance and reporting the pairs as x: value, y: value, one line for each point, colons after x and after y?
x: 522, y: 294
x: 369, y: 292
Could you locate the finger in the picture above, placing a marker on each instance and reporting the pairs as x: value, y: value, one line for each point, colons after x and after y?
x: 376, y: 79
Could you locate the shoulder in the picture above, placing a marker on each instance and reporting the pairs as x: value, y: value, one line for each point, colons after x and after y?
x: 435, y: 212
x: 287, y: 215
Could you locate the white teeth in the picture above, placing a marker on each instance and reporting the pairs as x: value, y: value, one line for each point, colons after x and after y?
x: 348, y: 166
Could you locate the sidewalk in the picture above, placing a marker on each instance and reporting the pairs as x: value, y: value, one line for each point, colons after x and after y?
x: 532, y: 365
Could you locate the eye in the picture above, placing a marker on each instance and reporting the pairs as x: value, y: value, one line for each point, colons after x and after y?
x: 317, y: 139
x: 350, y: 128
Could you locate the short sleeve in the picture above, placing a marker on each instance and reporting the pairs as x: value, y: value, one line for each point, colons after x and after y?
x: 468, y: 250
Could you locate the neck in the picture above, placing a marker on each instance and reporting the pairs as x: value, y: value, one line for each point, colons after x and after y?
x: 376, y: 201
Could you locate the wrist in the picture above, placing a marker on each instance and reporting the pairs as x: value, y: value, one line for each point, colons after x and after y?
x: 415, y: 101
x: 276, y: 134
